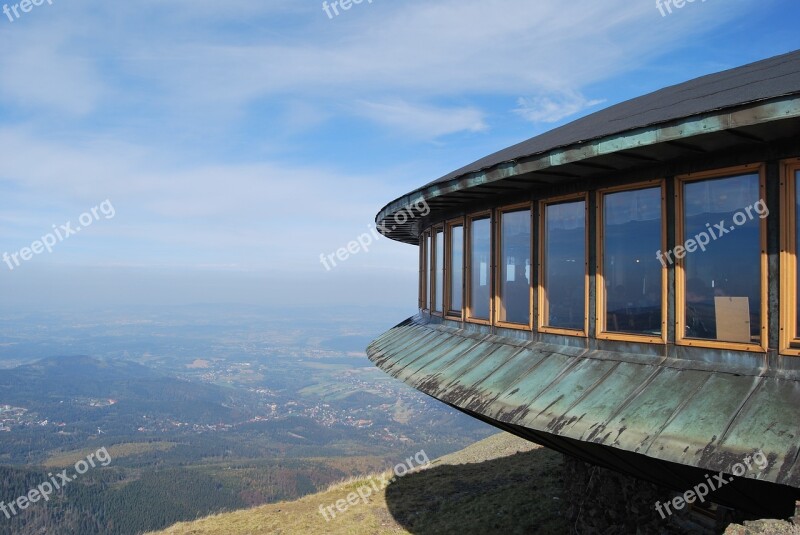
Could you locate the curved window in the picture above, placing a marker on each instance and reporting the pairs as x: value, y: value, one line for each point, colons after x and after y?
x: 428, y: 270
x: 719, y: 256
x: 438, y: 270
x: 422, y: 268
x: 479, y: 268
x: 795, y: 202
x: 563, y: 266
x: 630, y: 296
x: 455, y: 262
x: 514, y: 267
x: 790, y: 274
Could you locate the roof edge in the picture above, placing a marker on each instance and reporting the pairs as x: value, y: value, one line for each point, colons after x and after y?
x: 756, y: 112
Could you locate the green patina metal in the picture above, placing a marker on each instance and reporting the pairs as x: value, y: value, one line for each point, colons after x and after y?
x: 656, y: 407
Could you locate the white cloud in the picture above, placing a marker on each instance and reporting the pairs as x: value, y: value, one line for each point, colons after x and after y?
x: 424, y: 122
x: 259, y: 214
x: 551, y: 108
x: 158, y: 106
x: 39, y: 74
x: 402, y: 52
x: 190, y: 55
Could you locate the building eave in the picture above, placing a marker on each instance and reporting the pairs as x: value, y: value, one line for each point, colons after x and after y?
x: 740, y: 126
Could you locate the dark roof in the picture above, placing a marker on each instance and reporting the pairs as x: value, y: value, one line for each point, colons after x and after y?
x: 744, y: 108
x: 770, y: 78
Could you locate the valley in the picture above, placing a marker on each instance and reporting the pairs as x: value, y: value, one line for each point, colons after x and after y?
x: 201, y: 416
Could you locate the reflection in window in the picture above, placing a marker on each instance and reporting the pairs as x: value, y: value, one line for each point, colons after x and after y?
x: 456, y: 269
x: 480, y: 251
x: 429, y: 268
x: 564, y: 260
x: 631, y: 271
x: 723, y: 283
x: 422, y: 271
x: 515, y: 267
x: 438, y: 259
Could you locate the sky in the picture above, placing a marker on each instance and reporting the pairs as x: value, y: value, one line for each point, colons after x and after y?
x: 215, y: 150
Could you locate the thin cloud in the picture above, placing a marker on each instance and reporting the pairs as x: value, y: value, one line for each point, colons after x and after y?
x: 424, y: 122
x: 41, y: 76
x: 554, y: 107
x: 185, y: 56
x: 209, y: 126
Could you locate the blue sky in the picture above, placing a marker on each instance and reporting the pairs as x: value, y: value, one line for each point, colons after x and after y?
x: 239, y: 140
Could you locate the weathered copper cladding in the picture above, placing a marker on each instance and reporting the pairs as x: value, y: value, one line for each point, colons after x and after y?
x: 655, y: 407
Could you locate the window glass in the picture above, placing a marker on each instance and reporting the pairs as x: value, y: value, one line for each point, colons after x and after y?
x: 723, y: 276
x: 631, y: 270
x: 422, y: 271
x: 429, y: 268
x: 456, y: 268
x: 438, y: 259
x: 564, y: 260
x: 515, y: 267
x: 480, y: 250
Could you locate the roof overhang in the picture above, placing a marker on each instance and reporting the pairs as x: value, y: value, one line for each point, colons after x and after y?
x: 755, y: 124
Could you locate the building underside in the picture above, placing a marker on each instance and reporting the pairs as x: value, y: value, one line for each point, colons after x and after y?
x: 645, y: 416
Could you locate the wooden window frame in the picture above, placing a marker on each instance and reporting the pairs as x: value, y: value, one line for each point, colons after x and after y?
x: 600, y: 312
x: 428, y: 268
x: 789, y: 337
x: 680, y: 273
x: 498, y: 240
x: 434, y: 266
x: 423, y: 280
x: 448, y: 268
x: 486, y: 214
x: 542, y: 296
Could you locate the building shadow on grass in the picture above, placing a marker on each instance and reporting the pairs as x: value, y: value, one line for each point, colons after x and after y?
x: 521, y: 493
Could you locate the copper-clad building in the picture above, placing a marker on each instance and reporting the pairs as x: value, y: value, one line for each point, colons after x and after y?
x: 624, y: 288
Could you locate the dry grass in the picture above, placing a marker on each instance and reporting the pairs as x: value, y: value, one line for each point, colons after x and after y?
x: 500, y: 485
x: 300, y: 516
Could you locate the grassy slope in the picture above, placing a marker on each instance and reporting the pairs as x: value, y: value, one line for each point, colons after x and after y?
x: 501, y: 484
